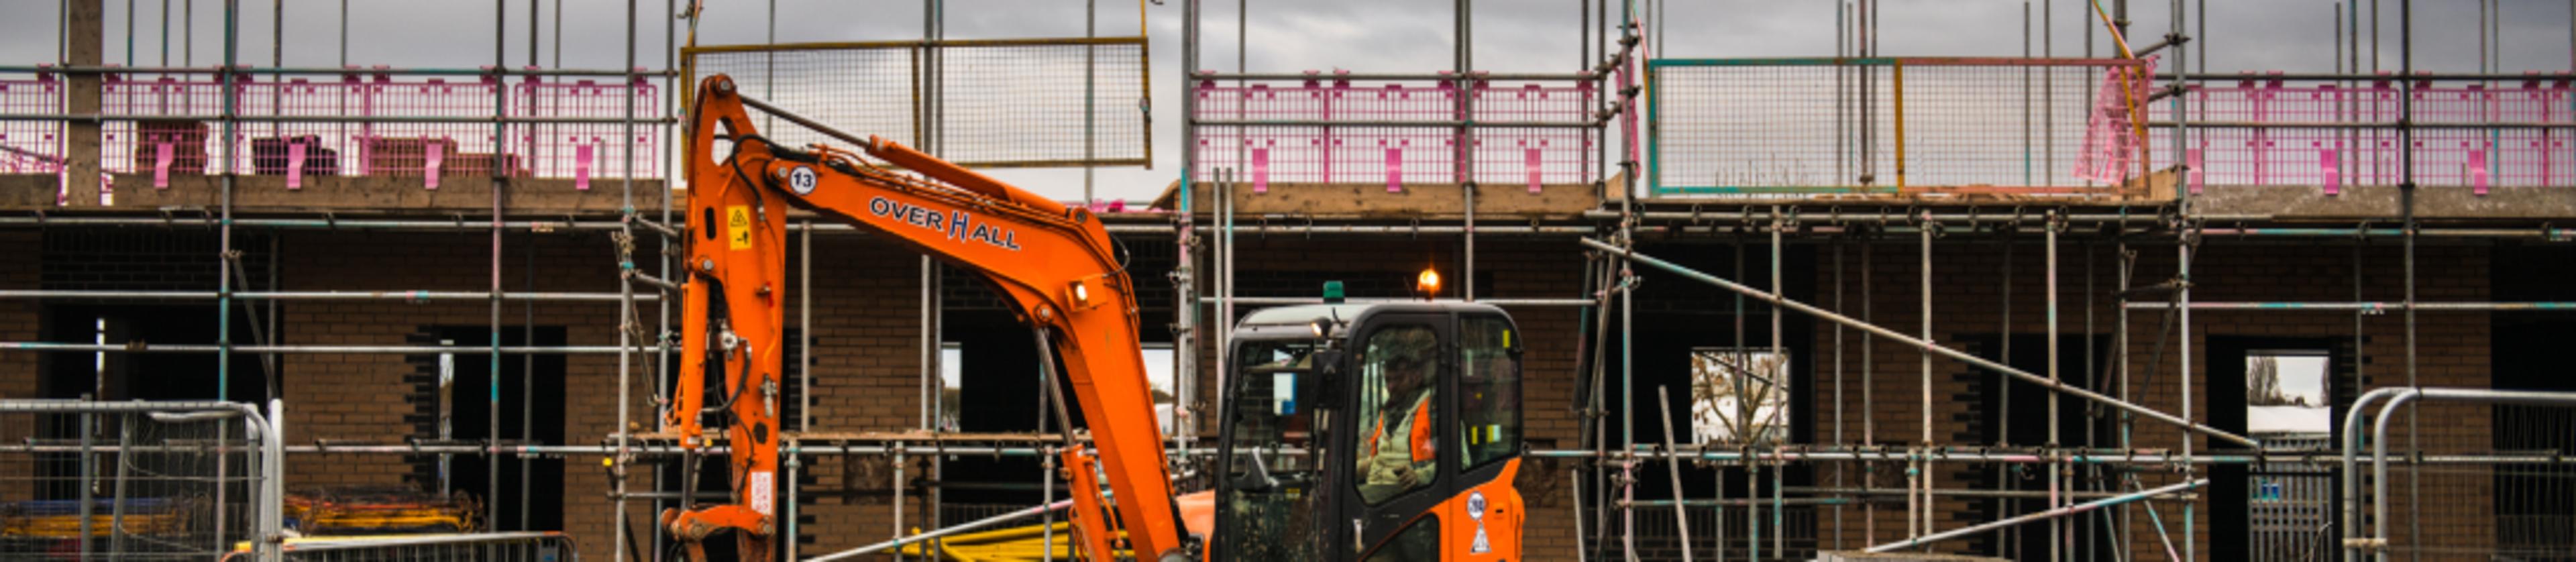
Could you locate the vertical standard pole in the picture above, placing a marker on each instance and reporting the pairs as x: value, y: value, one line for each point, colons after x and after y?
x: 527, y: 372
x: 1628, y: 405
x: 804, y: 373
x: 2120, y: 362
x: 1839, y: 438
x: 2182, y: 298
x: 223, y: 277
x: 896, y: 525
x: 1185, y: 332
x: 2181, y: 140
x: 2406, y: 207
x: 1467, y: 145
x: 2003, y: 429
x: 1742, y: 417
x: 500, y: 138
x: 116, y: 511
x: 1628, y: 303
x: 626, y: 320
x: 1779, y: 379
x: 929, y: 353
x: 1922, y: 467
x: 673, y: 90
x: 1046, y: 491
x: 223, y: 282
x: 1225, y: 318
x: 2056, y: 526
x: 88, y: 472
x: 1868, y: 399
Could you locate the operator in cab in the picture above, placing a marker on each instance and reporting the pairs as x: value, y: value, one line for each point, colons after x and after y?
x: 1398, y: 453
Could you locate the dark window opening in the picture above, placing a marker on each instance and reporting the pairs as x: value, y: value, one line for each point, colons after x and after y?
x: 2533, y: 508
x: 148, y: 376
x: 529, y: 492
x: 2015, y: 413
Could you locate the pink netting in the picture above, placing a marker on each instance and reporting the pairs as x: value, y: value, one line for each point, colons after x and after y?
x: 2519, y: 156
x: 1394, y: 155
x: 2111, y: 129
x: 187, y: 144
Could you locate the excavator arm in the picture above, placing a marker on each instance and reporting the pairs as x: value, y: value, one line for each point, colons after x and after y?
x: 1056, y: 264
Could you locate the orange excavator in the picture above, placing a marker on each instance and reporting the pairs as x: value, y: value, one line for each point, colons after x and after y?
x: 1349, y: 431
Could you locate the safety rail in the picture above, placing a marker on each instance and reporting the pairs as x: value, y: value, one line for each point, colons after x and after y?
x: 360, y: 124
x: 137, y: 480
x: 1327, y: 129
x: 523, y: 546
x: 1833, y: 126
x: 2267, y: 129
x: 2506, y: 508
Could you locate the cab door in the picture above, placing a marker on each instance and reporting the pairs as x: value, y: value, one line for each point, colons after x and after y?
x: 1486, y: 396
x: 1401, y: 441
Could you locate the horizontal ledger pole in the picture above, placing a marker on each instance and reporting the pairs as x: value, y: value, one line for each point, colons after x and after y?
x: 2038, y: 516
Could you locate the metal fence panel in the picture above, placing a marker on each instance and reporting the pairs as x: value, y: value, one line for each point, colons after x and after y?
x: 527, y: 546
x: 1734, y: 127
x: 1000, y: 103
x: 134, y: 480
x: 2291, y: 513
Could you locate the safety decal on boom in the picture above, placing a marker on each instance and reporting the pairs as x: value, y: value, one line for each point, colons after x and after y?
x: 738, y: 227
x: 1476, y: 511
x: 762, y: 486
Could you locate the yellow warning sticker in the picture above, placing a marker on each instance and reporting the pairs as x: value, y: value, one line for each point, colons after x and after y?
x: 738, y: 226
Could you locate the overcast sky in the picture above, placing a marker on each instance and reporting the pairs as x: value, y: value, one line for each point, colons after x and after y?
x: 1358, y: 35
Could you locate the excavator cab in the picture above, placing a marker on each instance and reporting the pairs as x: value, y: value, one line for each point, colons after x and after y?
x: 1371, y: 432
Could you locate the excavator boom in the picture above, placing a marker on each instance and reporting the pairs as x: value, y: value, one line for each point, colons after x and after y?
x: 1055, y: 263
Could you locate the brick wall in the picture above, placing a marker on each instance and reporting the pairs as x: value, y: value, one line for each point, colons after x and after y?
x: 374, y: 398
x: 20, y: 371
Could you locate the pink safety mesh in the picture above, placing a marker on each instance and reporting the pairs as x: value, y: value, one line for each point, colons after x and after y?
x: 31, y: 147
x: 1394, y: 155
x: 2110, y: 150
x: 2370, y: 155
x: 366, y: 147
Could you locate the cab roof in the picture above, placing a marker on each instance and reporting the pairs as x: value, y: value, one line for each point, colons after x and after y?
x: 1303, y: 314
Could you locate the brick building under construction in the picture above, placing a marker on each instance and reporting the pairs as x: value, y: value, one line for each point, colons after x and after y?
x: 2029, y: 308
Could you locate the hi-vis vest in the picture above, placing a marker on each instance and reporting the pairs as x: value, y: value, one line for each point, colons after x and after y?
x: 1416, y: 427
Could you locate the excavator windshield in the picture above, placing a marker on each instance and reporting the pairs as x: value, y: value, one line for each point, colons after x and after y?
x: 1276, y: 468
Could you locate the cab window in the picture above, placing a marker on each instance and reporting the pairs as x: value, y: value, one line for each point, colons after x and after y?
x: 1489, y: 387
x: 1273, y: 462
x: 1399, y: 440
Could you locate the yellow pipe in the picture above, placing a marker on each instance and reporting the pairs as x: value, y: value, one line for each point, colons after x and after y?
x: 1900, y: 124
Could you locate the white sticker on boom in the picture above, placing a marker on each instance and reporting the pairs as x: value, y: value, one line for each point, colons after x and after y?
x: 801, y: 180
x: 761, y: 491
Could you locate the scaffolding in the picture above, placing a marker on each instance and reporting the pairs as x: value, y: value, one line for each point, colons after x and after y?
x: 1604, y: 126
